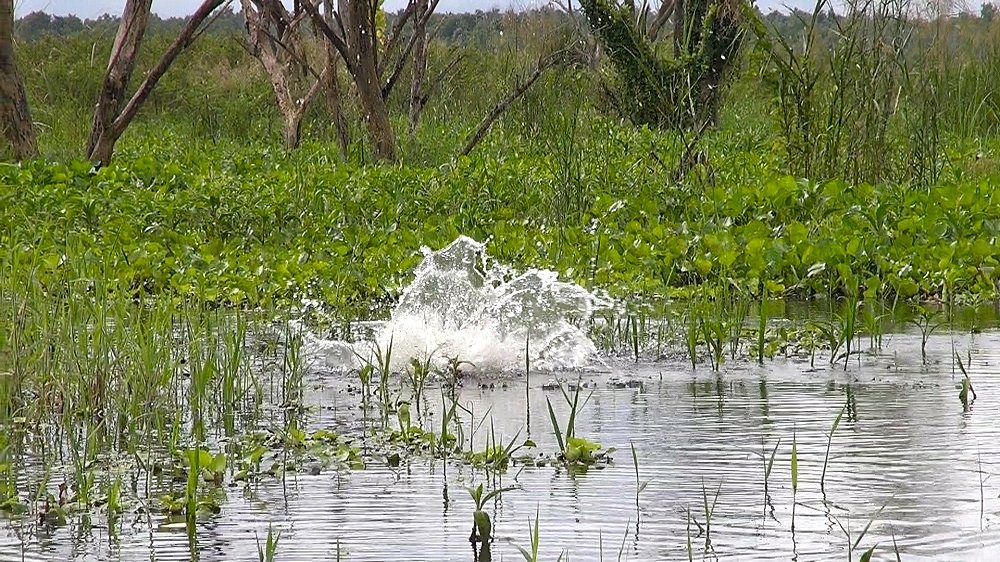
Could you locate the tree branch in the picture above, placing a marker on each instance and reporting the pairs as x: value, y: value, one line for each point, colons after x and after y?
x: 337, y: 41
x: 435, y: 83
x: 400, y: 64
x: 662, y: 17
x: 394, y: 36
x: 504, y: 104
x: 157, y: 72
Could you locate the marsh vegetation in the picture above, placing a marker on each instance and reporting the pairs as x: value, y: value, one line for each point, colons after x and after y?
x: 718, y: 310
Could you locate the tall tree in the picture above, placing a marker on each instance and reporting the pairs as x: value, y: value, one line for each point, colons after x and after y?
x: 113, y: 113
x: 111, y: 96
x: 360, y: 52
x: 15, y: 116
x: 333, y: 89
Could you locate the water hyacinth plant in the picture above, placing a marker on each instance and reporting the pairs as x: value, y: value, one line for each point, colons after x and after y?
x: 574, y: 450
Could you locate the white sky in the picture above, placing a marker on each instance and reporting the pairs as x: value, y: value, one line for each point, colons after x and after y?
x: 85, y: 9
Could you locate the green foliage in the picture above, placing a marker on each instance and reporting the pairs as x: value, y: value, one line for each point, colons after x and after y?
x: 795, y: 475
x: 682, y: 92
x: 795, y: 465
x: 127, y: 291
x: 482, y: 526
x: 574, y: 450
x: 10, y: 503
x: 829, y: 443
x: 211, y: 467
x: 251, y: 228
x: 531, y: 555
x: 267, y: 551
x: 966, y: 386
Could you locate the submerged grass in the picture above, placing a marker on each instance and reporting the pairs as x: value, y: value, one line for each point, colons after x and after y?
x: 575, y: 451
x: 266, y: 552
x: 100, y: 385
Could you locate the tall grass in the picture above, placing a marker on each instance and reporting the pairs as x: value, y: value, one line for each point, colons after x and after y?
x: 143, y: 380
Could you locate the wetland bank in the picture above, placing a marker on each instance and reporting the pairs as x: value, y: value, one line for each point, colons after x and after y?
x: 572, y: 310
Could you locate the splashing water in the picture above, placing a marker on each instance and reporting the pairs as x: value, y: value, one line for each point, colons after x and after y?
x: 460, y: 305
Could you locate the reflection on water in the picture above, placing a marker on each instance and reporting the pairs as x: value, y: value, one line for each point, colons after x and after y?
x: 906, y: 445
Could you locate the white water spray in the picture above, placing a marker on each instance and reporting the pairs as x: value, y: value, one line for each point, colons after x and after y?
x: 460, y: 305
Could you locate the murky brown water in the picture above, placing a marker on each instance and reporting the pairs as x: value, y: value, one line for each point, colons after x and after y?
x: 911, y: 448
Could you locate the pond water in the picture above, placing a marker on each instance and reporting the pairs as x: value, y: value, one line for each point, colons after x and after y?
x: 907, y: 449
x: 909, y: 468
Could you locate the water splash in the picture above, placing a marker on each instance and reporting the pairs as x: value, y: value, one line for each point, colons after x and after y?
x: 462, y: 305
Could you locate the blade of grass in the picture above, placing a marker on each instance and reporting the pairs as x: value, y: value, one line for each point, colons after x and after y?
x: 829, y: 443
x: 555, y: 426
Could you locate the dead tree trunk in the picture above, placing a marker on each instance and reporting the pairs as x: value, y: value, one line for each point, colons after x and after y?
x: 419, y: 69
x: 680, y: 27
x: 15, y: 116
x: 276, y: 41
x: 124, y: 53
x: 660, y: 21
x: 362, y: 43
x: 375, y: 73
x: 335, y: 102
x: 357, y: 44
x: 110, y: 118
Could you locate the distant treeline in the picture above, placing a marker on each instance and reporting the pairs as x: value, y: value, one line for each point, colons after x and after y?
x: 457, y: 28
x: 37, y: 25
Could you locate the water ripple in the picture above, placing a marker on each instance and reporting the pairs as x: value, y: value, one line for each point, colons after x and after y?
x: 910, y: 461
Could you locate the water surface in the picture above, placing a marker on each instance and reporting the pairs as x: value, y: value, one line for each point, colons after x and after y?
x: 910, y: 451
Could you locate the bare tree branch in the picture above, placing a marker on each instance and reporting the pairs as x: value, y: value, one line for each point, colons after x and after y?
x: 504, y: 104
x: 404, y: 57
x: 121, y: 63
x: 111, y: 117
x: 332, y: 36
x: 662, y: 17
x: 334, y: 98
x: 438, y: 79
x: 183, y: 40
x: 396, y: 34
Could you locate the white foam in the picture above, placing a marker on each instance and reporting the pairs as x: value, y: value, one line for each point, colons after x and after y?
x: 460, y: 305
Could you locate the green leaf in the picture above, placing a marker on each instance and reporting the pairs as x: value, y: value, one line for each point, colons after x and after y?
x: 495, y: 493
x: 52, y: 261
x: 770, y: 462
x: 218, y: 463
x: 836, y: 420
x: 483, y: 525
x: 868, y: 526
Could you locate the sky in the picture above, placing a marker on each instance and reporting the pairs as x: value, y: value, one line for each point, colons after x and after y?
x: 89, y: 9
